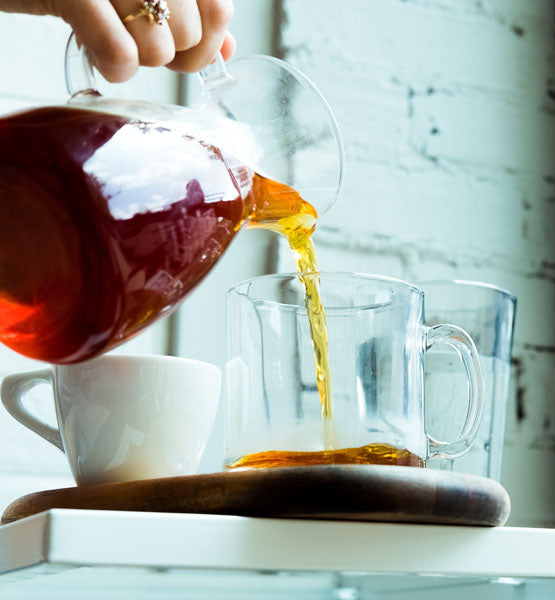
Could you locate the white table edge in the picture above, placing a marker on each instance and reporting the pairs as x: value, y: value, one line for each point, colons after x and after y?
x: 63, y: 538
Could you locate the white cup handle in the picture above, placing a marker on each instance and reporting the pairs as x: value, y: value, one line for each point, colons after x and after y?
x: 13, y: 390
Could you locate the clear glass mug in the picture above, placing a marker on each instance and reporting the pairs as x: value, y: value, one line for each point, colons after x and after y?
x: 487, y: 313
x: 377, y: 340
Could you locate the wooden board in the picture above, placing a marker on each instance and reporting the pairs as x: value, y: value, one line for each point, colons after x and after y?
x: 355, y: 493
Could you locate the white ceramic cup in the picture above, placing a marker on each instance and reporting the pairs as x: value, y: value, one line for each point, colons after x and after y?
x: 123, y: 418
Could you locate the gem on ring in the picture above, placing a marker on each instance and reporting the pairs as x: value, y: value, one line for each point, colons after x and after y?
x: 153, y: 10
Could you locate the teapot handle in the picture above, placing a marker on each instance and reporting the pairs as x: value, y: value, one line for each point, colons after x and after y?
x: 214, y: 75
x: 80, y: 77
x: 79, y: 69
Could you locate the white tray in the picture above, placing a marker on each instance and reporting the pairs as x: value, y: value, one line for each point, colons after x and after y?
x: 63, y: 552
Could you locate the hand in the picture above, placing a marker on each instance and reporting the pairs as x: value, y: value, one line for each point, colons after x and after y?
x: 187, y: 42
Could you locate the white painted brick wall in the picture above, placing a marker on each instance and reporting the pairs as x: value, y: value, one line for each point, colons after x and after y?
x: 449, y: 136
x: 447, y: 108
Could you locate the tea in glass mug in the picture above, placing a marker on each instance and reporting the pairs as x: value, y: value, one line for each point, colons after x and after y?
x: 375, y: 341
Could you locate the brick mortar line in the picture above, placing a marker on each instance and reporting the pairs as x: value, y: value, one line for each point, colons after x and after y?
x: 411, y: 252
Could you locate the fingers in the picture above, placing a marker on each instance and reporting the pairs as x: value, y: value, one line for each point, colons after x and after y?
x: 99, y: 28
x: 228, y: 47
x: 154, y: 41
x: 187, y: 42
x: 185, y: 24
x: 215, y: 16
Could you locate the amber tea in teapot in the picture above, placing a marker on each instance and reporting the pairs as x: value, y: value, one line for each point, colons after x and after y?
x: 107, y: 222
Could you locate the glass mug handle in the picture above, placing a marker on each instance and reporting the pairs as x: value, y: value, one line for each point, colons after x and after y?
x: 462, y: 343
x: 13, y: 390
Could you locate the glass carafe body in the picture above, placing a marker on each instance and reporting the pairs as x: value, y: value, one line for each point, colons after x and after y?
x: 112, y: 211
x: 107, y: 222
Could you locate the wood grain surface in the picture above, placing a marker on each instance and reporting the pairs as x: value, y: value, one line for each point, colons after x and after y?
x: 358, y: 492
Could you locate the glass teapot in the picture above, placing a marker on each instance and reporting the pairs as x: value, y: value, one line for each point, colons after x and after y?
x: 112, y: 211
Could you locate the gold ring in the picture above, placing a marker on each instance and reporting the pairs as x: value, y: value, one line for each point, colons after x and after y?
x: 153, y: 10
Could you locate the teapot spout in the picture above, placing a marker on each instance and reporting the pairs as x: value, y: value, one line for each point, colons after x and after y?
x: 275, y: 203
